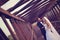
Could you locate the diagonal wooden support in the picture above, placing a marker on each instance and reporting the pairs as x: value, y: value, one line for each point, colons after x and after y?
x: 8, y: 26
x: 8, y: 15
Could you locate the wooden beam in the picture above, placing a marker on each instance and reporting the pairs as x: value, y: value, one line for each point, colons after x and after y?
x: 17, y: 5
x: 32, y: 16
x: 17, y: 29
x: 2, y: 2
x: 6, y: 13
x: 2, y: 34
x: 55, y: 21
x: 9, y: 28
x: 31, y: 3
x: 36, y: 8
x: 33, y: 7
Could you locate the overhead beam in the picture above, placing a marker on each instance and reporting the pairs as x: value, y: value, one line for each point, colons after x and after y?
x: 8, y: 15
x: 9, y: 28
x: 32, y: 16
x: 47, y: 7
x: 36, y: 4
x: 31, y: 3
x: 54, y: 21
x: 2, y: 2
x: 17, y: 5
x: 35, y: 8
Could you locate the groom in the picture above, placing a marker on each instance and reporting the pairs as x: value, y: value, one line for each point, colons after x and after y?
x: 42, y: 28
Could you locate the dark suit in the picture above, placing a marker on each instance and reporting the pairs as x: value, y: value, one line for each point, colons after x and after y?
x: 42, y: 28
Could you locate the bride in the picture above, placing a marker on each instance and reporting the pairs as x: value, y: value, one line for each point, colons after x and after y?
x: 51, y: 33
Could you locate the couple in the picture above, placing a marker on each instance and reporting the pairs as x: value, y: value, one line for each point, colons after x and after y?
x: 47, y: 30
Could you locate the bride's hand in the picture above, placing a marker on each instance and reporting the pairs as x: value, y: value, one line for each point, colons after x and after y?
x: 46, y: 22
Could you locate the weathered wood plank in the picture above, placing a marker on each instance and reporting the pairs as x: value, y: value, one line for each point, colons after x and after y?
x: 2, y: 2
x: 9, y: 28
x: 6, y: 13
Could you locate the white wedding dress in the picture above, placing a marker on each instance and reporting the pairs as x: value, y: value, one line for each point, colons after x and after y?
x: 51, y: 34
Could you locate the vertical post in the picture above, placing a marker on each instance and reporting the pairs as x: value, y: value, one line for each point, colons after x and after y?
x: 7, y: 25
x: 17, y: 29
